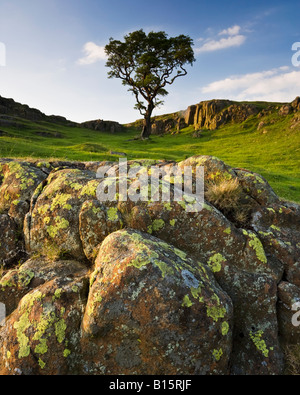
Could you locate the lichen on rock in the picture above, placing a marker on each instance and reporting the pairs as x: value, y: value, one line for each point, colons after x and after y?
x: 144, y: 287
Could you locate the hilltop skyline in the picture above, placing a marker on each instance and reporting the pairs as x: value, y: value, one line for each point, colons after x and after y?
x: 55, y: 60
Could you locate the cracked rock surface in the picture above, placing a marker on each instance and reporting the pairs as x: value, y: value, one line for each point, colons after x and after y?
x: 144, y: 287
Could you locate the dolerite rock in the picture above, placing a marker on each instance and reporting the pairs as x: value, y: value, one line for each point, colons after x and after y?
x: 42, y: 334
x: 212, y: 114
x: 127, y: 287
x: 103, y: 126
x: 152, y: 310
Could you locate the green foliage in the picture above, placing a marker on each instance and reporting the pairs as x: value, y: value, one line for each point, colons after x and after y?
x: 147, y: 64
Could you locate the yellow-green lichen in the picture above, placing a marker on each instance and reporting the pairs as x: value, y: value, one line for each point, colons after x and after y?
x: 217, y: 354
x: 256, y: 244
x: 61, y: 223
x: 149, y: 229
x: 97, y: 298
x: 24, y: 323
x: 224, y: 328
x: 215, y: 262
x: 90, y: 188
x: 57, y: 294
x: 25, y: 277
x: 167, y: 206
x: 164, y: 267
x: 187, y: 301
x: 271, y: 209
x: 112, y: 214
x: 179, y: 253
x: 158, y: 224
x: 61, y: 201
x: 41, y: 363
x: 21, y: 326
x: 66, y: 353
x: 172, y: 222
x: 206, y: 207
x: 60, y: 328
x: 265, y: 234
x: 259, y: 343
x: 43, y: 209
x: 216, y: 312
x: 275, y: 228
x: 197, y: 292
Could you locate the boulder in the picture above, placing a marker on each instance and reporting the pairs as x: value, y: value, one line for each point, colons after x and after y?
x: 144, y: 286
x: 103, y: 126
x: 296, y: 104
x: 42, y: 334
x: 285, y: 110
x: 152, y: 310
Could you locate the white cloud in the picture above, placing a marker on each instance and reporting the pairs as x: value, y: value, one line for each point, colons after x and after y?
x: 213, y: 45
x: 93, y: 53
x: 233, y: 39
x: 231, y: 31
x: 280, y: 84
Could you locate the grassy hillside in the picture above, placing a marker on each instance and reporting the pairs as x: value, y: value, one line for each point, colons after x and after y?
x: 273, y: 150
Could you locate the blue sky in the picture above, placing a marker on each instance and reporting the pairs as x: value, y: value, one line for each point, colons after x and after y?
x: 54, y: 58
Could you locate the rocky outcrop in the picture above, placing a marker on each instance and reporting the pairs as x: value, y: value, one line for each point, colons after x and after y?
x: 103, y: 126
x: 10, y: 111
x: 144, y: 287
x: 214, y: 113
x: 209, y: 114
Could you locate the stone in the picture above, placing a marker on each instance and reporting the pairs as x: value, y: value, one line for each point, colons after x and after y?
x: 149, y: 308
x: 103, y: 126
x: 138, y: 267
x: 286, y: 109
x: 42, y: 334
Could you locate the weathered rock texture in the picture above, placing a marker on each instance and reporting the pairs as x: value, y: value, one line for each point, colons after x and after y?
x: 144, y: 287
x: 103, y: 126
x: 213, y: 114
x: 11, y: 111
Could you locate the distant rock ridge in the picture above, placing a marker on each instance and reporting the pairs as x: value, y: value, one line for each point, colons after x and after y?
x: 11, y: 112
x: 212, y: 114
x: 103, y: 126
x: 10, y: 109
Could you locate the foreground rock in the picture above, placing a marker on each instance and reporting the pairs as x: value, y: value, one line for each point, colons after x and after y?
x: 153, y: 310
x: 144, y: 287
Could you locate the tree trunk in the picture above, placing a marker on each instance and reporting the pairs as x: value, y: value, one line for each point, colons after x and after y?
x: 146, y: 132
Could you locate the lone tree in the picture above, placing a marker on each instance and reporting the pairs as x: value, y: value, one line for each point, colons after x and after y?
x: 147, y: 64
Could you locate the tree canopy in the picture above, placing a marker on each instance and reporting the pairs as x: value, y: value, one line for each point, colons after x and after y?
x: 147, y: 64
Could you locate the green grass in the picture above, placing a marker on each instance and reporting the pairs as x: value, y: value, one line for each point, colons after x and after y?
x: 274, y: 154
